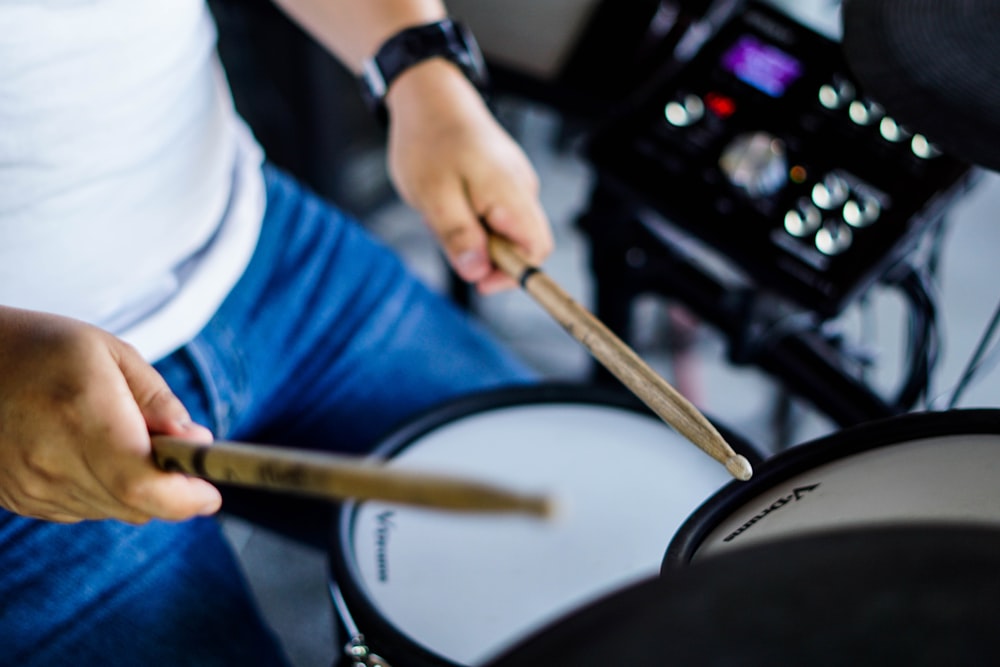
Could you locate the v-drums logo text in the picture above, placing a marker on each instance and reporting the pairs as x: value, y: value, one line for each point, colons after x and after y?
x: 796, y: 495
x: 382, y: 544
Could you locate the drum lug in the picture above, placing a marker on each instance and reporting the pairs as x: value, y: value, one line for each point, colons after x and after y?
x: 361, y: 656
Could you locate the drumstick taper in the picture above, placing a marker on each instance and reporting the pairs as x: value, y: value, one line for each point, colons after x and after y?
x: 337, y: 477
x: 618, y: 358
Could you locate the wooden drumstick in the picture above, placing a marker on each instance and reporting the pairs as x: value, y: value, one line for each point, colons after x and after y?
x: 337, y: 477
x: 618, y: 358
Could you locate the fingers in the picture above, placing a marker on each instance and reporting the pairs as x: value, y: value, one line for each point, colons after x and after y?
x: 162, y: 411
x: 499, y: 197
x: 134, y: 481
x: 509, y: 205
x: 132, y: 491
x: 143, y: 492
x: 98, y: 474
x: 76, y: 410
x: 527, y: 228
x: 449, y: 215
x: 451, y: 160
x: 47, y: 482
x: 463, y: 235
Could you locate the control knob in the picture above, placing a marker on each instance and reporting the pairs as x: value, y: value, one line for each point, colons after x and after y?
x: 755, y: 162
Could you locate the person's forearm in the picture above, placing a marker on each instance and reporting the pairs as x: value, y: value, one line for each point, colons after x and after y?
x: 354, y: 29
x: 449, y: 157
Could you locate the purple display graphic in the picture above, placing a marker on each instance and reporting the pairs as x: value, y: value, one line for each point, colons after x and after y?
x: 765, y: 67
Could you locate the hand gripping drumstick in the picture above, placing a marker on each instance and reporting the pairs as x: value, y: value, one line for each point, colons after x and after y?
x: 618, y: 358
x: 336, y: 477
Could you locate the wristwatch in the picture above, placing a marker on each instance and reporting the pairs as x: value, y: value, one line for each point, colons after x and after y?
x: 445, y: 38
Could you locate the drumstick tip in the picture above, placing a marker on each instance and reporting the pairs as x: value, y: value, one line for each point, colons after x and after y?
x: 739, y: 467
x: 543, y: 507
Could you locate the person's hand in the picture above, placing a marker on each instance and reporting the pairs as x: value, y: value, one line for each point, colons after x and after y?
x: 77, y: 407
x: 451, y: 160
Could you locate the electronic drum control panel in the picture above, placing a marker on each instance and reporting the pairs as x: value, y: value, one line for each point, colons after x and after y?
x: 765, y: 147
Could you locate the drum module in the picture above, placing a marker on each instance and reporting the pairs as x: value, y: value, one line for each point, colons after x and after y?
x: 763, y: 146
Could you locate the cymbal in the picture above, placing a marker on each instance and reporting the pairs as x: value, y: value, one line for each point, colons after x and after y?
x: 935, y: 67
x: 913, y: 595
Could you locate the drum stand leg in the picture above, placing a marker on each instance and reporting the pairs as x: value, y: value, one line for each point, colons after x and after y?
x: 356, y: 650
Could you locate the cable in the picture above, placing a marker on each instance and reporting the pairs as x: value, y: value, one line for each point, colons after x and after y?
x: 923, y: 338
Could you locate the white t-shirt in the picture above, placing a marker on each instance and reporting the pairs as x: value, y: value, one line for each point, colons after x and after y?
x: 130, y: 192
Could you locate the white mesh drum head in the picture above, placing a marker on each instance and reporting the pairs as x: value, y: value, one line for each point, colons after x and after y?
x: 465, y: 586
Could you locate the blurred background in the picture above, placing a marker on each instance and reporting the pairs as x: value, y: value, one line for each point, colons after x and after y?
x: 742, y: 214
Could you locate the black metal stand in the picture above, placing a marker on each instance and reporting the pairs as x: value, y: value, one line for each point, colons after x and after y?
x: 627, y: 260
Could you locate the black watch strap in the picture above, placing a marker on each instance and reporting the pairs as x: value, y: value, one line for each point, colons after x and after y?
x: 445, y: 38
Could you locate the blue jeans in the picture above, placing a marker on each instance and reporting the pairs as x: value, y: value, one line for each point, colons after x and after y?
x: 326, y: 342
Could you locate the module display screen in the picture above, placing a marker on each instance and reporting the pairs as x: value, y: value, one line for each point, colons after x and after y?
x: 761, y: 65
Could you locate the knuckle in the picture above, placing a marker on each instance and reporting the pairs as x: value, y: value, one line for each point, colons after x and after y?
x: 79, y: 341
x: 42, y: 463
x: 126, y: 349
x: 420, y: 189
x: 527, y: 177
x: 440, y: 209
x: 35, y: 490
x: 456, y: 234
x: 160, y: 397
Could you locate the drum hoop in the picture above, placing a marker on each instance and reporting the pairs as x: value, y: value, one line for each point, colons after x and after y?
x: 385, y: 638
x: 806, y: 456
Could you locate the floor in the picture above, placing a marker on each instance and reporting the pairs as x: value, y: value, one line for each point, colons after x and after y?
x: 291, y: 581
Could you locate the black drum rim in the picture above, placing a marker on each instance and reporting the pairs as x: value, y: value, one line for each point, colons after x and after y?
x: 386, y: 639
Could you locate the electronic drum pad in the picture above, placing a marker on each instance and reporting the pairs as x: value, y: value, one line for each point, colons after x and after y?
x: 886, y: 596
x: 935, y: 66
